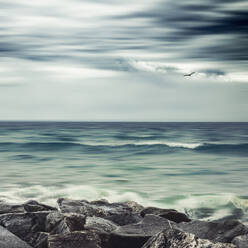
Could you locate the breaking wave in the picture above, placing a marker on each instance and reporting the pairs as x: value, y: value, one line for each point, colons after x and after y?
x: 241, y: 149
x: 204, y: 207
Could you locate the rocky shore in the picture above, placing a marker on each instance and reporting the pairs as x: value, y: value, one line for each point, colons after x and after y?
x: 100, y: 224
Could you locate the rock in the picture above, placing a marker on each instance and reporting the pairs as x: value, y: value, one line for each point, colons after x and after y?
x: 34, y: 206
x: 30, y: 206
x: 69, y: 223
x: 173, y: 238
x: 223, y: 231
x: 118, y: 213
x: 24, y: 225
x: 75, y: 222
x: 100, y: 224
x: 52, y: 220
x: 9, y: 240
x: 39, y: 240
x: 78, y: 239
x: 135, y: 235
x: 136, y: 208
x: 169, y: 214
x: 241, y: 241
x: 10, y: 208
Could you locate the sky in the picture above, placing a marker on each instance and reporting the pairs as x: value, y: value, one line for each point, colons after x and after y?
x: 110, y: 60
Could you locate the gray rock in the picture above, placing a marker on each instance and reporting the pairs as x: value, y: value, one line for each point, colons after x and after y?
x: 52, y: 220
x: 135, y: 235
x: 10, y: 208
x: 169, y: 214
x: 216, y: 231
x: 39, y: 240
x: 100, y: 224
x: 24, y: 225
x: 136, y: 208
x: 241, y: 241
x: 9, y: 240
x: 78, y: 239
x: 119, y: 213
x: 173, y: 238
x: 30, y: 206
x: 69, y: 223
x: 75, y: 222
x: 34, y: 206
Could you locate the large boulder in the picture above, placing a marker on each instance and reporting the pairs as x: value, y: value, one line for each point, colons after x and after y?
x: 34, y: 206
x: 52, y: 220
x: 241, y: 241
x: 99, y: 224
x: 119, y: 213
x: 169, y: 214
x: 173, y: 238
x: 9, y: 240
x: 216, y: 231
x: 69, y: 223
x: 24, y: 225
x: 135, y: 235
x: 78, y: 239
x: 10, y: 208
x: 39, y: 240
x: 29, y: 206
x: 136, y: 208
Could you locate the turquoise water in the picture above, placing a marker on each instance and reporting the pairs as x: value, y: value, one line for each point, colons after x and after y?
x: 199, y: 168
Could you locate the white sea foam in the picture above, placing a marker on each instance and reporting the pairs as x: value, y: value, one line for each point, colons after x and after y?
x: 218, y: 203
x: 171, y: 144
x: 146, y: 143
x: 49, y: 195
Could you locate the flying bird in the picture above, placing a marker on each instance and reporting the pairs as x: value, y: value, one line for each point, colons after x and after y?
x: 189, y: 75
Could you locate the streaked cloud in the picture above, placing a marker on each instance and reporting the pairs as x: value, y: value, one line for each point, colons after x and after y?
x: 106, y: 57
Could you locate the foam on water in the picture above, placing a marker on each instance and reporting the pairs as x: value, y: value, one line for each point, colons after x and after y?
x: 220, y: 206
x: 49, y: 195
x: 171, y: 144
x: 143, y: 143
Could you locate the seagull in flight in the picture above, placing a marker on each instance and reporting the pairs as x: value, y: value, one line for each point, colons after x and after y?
x: 190, y: 74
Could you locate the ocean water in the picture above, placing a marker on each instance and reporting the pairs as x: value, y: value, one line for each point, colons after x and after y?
x: 198, y: 168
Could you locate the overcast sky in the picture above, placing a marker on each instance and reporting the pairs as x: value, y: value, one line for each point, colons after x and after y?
x: 110, y: 60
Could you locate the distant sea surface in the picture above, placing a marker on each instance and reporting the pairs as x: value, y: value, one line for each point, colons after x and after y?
x: 198, y: 168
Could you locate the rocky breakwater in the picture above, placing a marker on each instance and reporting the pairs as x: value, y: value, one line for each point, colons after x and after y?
x: 100, y: 224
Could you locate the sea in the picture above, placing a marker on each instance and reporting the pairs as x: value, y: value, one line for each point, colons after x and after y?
x: 197, y: 168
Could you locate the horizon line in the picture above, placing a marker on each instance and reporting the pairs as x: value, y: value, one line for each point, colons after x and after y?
x: 120, y: 121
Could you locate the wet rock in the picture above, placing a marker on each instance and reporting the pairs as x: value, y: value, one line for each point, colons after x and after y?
x: 75, y: 222
x: 136, y: 208
x: 30, y: 206
x: 69, y: 223
x: 9, y: 240
x: 173, y: 238
x: 52, y: 220
x: 24, y: 225
x: 100, y: 224
x: 169, y: 214
x: 39, y: 240
x: 118, y: 213
x: 78, y: 239
x: 10, y: 208
x: 34, y: 206
x: 135, y: 235
x: 216, y: 231
x: 241, y: 241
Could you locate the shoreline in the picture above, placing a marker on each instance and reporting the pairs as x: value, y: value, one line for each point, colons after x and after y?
x: 100, y: 224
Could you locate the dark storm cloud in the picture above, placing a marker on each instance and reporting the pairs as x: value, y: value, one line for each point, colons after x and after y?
x: 182, y: 23
x: 213, y: 72
x: 210, y: 30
